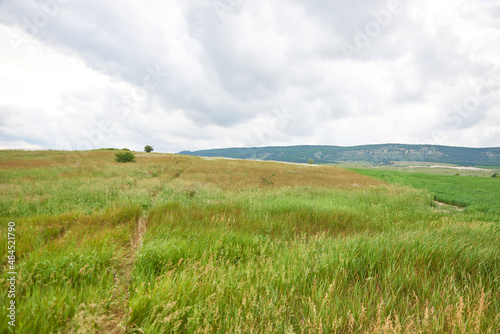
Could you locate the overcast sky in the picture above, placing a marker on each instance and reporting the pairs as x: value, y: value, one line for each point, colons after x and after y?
x: 198, y: 74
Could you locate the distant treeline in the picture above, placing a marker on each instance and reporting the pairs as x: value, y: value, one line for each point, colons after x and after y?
x: 377, y: 154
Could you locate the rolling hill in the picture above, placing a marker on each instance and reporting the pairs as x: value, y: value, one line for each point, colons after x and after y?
x: 181, y: 244
x: 376, y: 154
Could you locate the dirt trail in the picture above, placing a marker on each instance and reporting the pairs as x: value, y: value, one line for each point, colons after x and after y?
x: 443, y: 206
x: 115, y: 323
x: 136, y: 241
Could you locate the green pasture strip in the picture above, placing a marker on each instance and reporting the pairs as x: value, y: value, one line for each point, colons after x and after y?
x: 476, y: 194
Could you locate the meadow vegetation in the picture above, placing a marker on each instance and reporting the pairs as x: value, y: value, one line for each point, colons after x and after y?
x: 474, y: 194
x: 184, y: 244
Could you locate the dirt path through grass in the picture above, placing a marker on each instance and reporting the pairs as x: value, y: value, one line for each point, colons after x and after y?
x: 443, y: 206
x: 116, y: 323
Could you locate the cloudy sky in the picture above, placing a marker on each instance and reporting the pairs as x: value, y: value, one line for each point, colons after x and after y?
x: 198, y: 74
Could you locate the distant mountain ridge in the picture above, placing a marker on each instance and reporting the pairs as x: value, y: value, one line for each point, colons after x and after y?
x: 377, y: 154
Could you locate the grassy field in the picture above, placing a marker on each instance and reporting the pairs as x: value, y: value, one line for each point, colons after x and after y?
x: 182, y: 244
x: 475, y: 194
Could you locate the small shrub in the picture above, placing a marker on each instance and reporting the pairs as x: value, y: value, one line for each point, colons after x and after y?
x: 124, y: 156
x: 190, y: 190
x: 267, y: 181
x: 310, y: 161
x: 148, y: 148
x: 495, y: 175
x: 178, y: 173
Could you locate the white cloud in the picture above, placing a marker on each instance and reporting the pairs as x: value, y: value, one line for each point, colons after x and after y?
x: 198, y: 74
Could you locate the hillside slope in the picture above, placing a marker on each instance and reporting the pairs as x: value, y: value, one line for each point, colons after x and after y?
x: 371, y: 153
x: 181, y: 244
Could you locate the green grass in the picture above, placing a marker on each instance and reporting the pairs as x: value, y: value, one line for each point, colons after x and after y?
x: 475, y: 194
x: 280, y: 267
x: 182, y: 244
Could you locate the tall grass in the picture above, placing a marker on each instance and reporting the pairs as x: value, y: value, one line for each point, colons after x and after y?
x: 183, y: 244
x: 247, y: 269
x: 476, y: 194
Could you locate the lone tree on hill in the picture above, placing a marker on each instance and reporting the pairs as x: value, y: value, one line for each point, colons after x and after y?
x: 148, y: 148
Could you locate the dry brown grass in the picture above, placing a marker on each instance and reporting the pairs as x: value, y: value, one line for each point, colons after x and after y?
x: 225, y: 173
x: 39, y: 159
x: 234, y: 175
